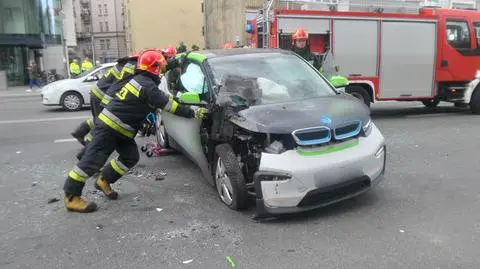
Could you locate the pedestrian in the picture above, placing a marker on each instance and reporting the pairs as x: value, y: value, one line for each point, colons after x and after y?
x: 74, y: 68
x: 302, y: 47
x: 116, y: 128
x: 86, y: 65
x: 32, y: 74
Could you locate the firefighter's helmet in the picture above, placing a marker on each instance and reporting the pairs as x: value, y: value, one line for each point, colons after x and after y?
x: 169, y: 51
x: 300, y: 34
x: 151, y: 61
x: 228, y: 46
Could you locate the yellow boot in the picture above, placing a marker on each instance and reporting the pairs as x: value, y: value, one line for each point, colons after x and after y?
x: 77, y: 204
x: 103, y: 186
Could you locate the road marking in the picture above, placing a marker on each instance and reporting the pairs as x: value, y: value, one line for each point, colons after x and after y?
x: 65, y: 140
x: 43, y: 120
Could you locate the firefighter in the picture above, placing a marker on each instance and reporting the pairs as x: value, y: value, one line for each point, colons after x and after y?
x: 302, y: 48
x: 74, y: 68
x: 99, y: 96
x: 115, y: 129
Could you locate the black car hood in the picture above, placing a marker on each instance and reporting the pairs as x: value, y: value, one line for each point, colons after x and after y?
x: 286, y: 117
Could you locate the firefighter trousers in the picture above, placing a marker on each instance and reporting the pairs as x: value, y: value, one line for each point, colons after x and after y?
x: 104, y: 142
x: 95, y: 106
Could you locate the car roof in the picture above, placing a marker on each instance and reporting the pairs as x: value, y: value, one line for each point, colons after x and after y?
x: 218, y: 53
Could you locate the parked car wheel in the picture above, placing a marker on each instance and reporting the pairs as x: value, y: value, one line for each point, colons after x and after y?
x: 71, y: 101
x: 229, y: 179
x: 360, y: 93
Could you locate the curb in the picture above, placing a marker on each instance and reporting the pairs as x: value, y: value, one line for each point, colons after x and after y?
x: 20, y: 94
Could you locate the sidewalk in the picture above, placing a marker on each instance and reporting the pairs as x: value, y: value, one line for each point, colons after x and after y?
x: 20, y: 91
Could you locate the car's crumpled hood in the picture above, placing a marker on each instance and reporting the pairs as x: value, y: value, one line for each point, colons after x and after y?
x: 286, y: 117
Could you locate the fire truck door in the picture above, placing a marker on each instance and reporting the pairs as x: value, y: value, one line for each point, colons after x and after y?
x: 407, y: 65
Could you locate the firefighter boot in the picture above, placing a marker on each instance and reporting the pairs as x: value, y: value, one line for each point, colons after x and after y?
x: 82, y: 130
x: 102, y: 185
x: 77, y: 204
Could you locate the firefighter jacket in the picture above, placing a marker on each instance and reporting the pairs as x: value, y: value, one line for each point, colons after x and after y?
x: 127, y: 72
x: 115, y: 73
x: 132, y: 103
x: 307, y: 55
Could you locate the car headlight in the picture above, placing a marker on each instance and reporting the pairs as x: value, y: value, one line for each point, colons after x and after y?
x: 477, y: 75
x: 367, y: 127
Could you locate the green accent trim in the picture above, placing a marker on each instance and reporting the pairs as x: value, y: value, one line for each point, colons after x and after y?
x: 338, y: 81
x: 190, y: 98
x: 329, y: 149
x: 194, y: 56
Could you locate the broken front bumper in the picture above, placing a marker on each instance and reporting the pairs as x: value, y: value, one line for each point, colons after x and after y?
x: 297, y: 181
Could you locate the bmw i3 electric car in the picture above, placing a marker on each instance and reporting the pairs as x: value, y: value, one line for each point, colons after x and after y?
x: 278, y: 131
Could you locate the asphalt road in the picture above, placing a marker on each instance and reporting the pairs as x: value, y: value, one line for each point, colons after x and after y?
x: 424, y: 215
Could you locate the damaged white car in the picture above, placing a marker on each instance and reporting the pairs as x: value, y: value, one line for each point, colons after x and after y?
x: 278, y: 132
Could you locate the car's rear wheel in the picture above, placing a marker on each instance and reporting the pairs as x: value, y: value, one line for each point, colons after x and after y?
x: 229, y: 179
x: 431, y: 103
x: 71, y: 101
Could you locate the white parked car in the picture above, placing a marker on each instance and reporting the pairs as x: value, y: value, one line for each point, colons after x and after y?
x: 72, y: 94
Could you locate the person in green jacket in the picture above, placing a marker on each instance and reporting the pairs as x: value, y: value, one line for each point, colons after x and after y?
x: 74, y: 68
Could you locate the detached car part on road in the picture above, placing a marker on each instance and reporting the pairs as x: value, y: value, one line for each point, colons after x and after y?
x: 278, y: 131
x: 72, y: 94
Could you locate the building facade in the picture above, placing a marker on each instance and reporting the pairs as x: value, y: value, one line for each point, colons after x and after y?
x: 31, y: 31
x: 155, y: 24
x: 100, y: 29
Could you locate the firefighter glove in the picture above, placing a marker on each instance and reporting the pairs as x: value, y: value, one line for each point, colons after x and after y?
x: 201, y: 113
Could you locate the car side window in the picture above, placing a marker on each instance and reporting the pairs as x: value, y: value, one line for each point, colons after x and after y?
x: 476, y: 28
x: 458, y: 34
x: 99, y: 74
x: 193, y: 79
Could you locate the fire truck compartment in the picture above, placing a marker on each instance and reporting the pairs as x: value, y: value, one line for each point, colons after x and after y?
x: 408, y: 51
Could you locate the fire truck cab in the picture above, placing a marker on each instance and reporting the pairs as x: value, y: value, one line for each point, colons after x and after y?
x: 430, y: 57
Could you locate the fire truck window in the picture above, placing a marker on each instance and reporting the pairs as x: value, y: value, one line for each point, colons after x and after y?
x: 476, y: 27
x: 458, y: 34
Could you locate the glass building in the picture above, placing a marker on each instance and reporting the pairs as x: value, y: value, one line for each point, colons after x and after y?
x: 26, y: 28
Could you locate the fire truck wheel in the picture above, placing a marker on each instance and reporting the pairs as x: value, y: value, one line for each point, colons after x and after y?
x: 475, y: 102
x: 431, y: 103
x: 360, y: 93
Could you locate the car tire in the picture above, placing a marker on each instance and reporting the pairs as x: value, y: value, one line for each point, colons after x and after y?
x: 475, y: 101
x: 229, y: 179
x: 431, y: 103
x: 161, y: 133
x: 71, y: 101
x: 360, y: 93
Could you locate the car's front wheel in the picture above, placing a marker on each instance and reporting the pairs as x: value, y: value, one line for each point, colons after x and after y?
x: 71, y: 101
x: 229, y: 178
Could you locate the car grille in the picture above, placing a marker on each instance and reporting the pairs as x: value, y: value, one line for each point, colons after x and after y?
x: 323, y: 135
x: 347, y: 130
x: 335, y: 192
x: 312, y: 136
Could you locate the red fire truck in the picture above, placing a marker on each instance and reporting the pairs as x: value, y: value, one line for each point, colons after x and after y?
x: 429, y: 57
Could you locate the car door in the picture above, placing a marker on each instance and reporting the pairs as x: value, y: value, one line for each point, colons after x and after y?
x: 183, y: 133
x: 90, y: 81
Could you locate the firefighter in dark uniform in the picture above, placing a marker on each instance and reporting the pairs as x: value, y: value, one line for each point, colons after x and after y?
x: 302, y: 48
x: 116, y: 128
x: 116, y: 73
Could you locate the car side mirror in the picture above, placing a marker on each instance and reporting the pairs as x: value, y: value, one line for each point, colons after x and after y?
x: 339, y: 82
x: 190, y: 98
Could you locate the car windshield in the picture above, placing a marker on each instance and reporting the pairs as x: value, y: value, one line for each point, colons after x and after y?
x: 266, y: 78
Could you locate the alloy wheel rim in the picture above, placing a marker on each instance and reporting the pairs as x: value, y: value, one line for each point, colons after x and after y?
x: 72, y: 102
x: 224, y: 185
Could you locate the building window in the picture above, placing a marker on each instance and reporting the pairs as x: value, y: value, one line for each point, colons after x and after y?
x: 102, y: 44
x: 108, y: 44
x: 100, y: 10
x: 101, y: 26
x: 106, y: 26
x: 458, y: 34
x: 105, y: 10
